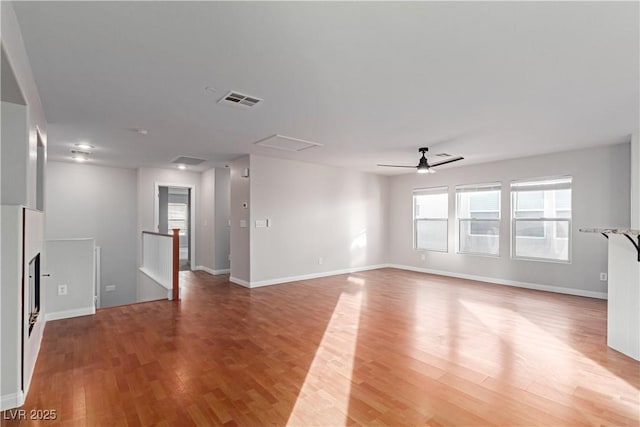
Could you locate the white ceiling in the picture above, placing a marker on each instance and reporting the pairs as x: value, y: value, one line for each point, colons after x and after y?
x: 372, y: 82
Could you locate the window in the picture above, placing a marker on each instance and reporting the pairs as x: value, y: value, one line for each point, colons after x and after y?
x: 430, y: 218
x: 541, y: 219
x: 478, y: 212
x: 530, y: 204
x: 177, y: 215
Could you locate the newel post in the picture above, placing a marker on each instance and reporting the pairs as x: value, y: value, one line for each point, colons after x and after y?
x: 176, y: 264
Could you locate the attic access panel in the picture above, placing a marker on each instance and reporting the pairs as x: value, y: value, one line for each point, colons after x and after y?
x: 286, y: 143
x: 189, y: 161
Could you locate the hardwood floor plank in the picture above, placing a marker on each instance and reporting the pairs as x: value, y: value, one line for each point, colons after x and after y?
x: 383, y: 347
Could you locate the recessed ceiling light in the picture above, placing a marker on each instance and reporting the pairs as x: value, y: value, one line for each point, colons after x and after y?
x: 182, y: 167
x: 84, y: 146
x: 79, y: 156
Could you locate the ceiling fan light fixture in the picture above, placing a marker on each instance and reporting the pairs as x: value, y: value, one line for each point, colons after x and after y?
x: 423, y: 164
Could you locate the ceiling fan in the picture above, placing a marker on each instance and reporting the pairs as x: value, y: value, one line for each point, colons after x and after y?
x: 423, y: 165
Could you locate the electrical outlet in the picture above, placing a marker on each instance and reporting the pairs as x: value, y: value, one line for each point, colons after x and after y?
x: 62, y: 290
x: 320, y: 260
x: 604, y: 277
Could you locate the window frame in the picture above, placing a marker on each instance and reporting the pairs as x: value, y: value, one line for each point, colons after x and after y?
x: 460, y: 189
x: 182, y: 231
x: 430, y: 191
x: 563, y: 180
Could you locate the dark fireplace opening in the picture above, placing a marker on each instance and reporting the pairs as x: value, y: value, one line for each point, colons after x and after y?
x: 34, y: 291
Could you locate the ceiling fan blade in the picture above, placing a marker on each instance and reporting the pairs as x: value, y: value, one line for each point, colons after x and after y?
x: 444, y: 162
x: 398, y: 166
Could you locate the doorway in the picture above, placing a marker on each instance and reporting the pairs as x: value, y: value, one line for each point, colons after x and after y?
x: 174, y: 211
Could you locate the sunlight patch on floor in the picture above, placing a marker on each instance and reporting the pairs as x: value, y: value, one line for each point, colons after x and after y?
x: 356, y: 280
x: 325, y: 393
x: 533, y: 362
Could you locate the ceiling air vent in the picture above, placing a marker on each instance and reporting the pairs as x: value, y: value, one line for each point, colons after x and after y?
x: 238, y: 99
x: 191, y: 161
x: 286, y: 143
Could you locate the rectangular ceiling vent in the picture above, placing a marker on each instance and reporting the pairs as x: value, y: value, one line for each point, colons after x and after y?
x: 189, y: 161
x: 237, y: 99
x: 443, y: 155
x: 286, y: 143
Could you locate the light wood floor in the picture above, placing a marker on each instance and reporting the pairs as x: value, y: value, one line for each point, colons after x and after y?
x: 384, y: 347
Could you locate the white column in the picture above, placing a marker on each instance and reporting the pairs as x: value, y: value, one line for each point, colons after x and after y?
x: 623, y: 325
x: 635, y: 180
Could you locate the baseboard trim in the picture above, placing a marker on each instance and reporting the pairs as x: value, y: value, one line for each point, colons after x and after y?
x: 212, y: 271
x: 491, y: 280
x: 514, y: 283
x: 281, y: 280
x: 239, y: 282
x: 12, y: 400
x: 66, y: 314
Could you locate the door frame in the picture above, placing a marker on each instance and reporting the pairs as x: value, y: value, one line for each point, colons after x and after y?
x: 192, y: 215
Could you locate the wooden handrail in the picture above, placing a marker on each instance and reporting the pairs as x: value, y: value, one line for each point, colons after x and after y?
x: 176, y: 264
x: 157, y: 234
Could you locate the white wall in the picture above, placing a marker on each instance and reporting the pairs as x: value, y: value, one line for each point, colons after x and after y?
x: 14, y: 134
x: 16, y: 56
x: 635, y: 180
x: 70, y: 262
x: 601, y: 179
x: 239, y: 241
x: 149, y: 289
x: 10, y: 391
x: 316, y: 212
x: 17, y: 343
x: 206, y: 246
x: 87, y: 201
x: 222, y: 217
